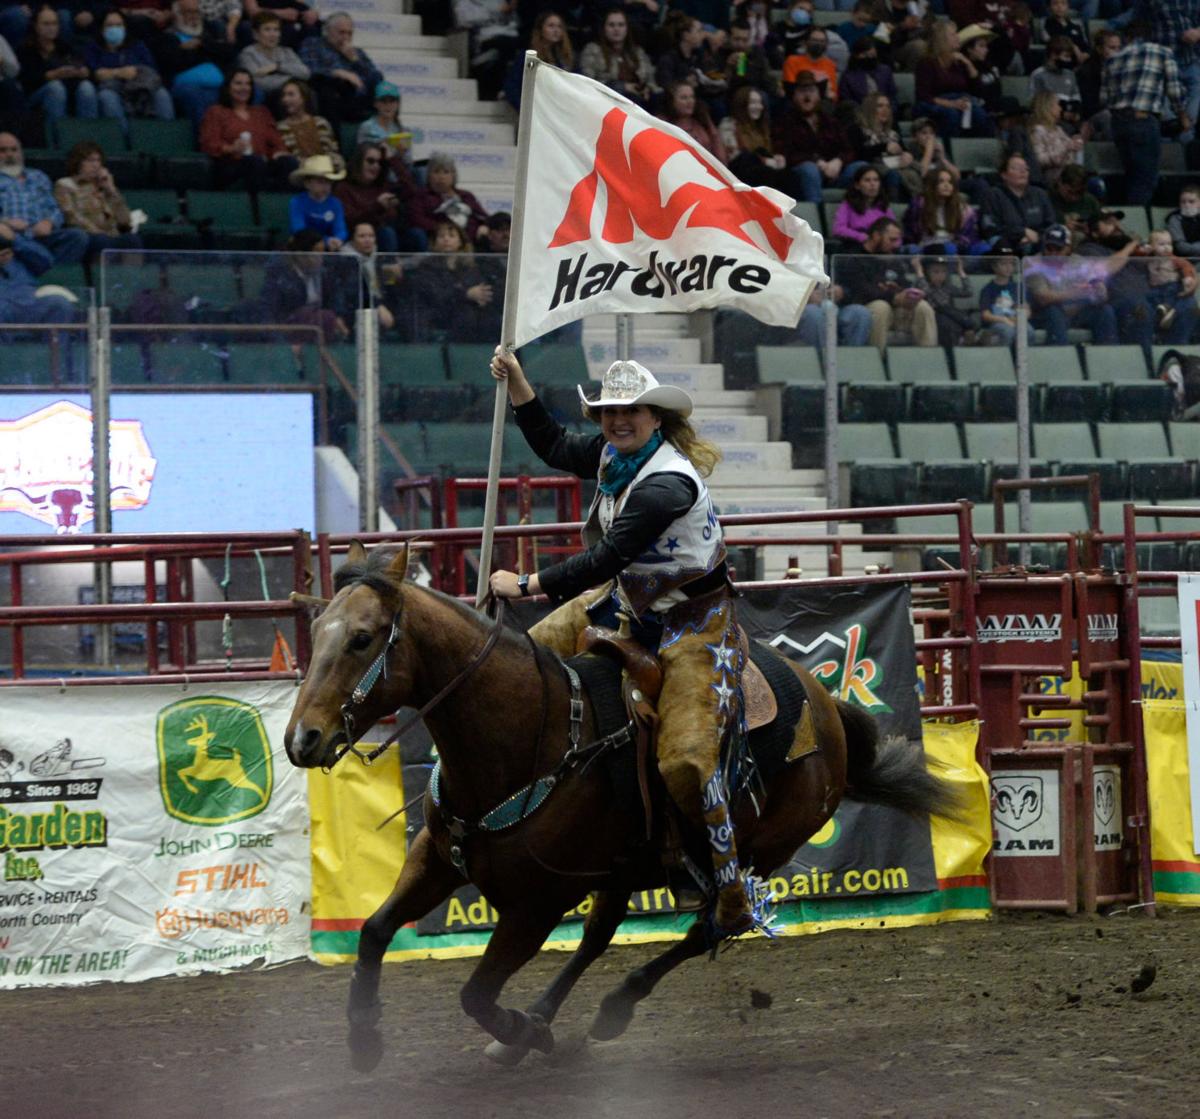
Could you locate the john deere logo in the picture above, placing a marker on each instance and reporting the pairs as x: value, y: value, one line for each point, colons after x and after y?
x: 214, y: 760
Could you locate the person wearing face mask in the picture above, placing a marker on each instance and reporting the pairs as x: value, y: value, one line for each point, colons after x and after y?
x: 814, y: 60
x: 126, y: 74
x: 1058, y: 77
x: 795, y: 27
x: 867, y: 74
x: 1183, y: 223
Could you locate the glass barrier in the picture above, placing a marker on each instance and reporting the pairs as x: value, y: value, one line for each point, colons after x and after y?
x: 43, y: 331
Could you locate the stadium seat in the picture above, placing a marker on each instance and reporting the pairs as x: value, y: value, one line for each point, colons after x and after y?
x: 996, y: 445
x: 984, y: 364
x: 1101, y: 158
x: 186, y: 363
x: 421, y: 364
x: 469, y: 361
x: 210, y: 290
x: 1158, y: 216
x: 1149, y: 400
x: 73, y: 277
x: 1071, y: 448
x: 26, y: 363
x: 555, y: 363
x: 906, y: 88
x: 105, y: 131
x: 427, y: 403
x: 230, y: 217
x: 273, y: 216
x: 128, y: 363
x: 860, y: 364
x: 911, y: 365
x: 1153, y: 474
x: 1053, y: 364
x: 1185, y: 439
x: 945, y: 475
x: 877, y: 476
x: 1115, y: 363
x: 1135, y: 221
x: 789, y: 365
x: 265, y: 363
x: 976, y: 154
x: 1157, y: 352
x: 809, y: 212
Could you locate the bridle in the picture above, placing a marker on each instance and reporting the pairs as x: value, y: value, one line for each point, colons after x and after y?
x: 378, y: 670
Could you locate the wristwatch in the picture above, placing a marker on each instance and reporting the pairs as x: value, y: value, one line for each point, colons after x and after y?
x: 523, y: 585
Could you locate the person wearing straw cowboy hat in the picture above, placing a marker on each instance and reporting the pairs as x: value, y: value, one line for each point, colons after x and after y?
x: 654, y: 565
x: 316, y: 208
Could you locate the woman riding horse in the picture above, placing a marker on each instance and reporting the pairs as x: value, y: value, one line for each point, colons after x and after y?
x: 654, y: 566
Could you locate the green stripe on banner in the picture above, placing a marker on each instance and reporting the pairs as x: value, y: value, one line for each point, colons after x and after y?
x: 1177, y: 882
x: 791, y: 915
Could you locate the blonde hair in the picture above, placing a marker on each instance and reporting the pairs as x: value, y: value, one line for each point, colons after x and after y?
x: 678, y: 431
x: 1041, y: 109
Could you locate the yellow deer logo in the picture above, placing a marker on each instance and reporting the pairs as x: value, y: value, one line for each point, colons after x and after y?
x: 205, y: 767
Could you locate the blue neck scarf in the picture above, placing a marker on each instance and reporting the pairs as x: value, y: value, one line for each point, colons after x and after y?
x: 621, y: 469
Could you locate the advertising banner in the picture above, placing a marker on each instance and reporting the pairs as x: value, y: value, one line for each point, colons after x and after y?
x: 1189, y: 613
x: 148, y: 830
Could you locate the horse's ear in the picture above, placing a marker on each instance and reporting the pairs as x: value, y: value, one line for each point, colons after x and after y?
x: 357, y: 553
x: 309, y: 600
x: 398, y: 568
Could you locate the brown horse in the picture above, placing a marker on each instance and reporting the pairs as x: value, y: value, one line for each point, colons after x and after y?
x: 500, y: 722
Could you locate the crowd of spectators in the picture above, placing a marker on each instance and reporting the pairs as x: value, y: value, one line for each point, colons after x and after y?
x: 805, y: 104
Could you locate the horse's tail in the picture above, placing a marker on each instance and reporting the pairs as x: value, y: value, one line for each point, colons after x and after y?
x: 892, y: 771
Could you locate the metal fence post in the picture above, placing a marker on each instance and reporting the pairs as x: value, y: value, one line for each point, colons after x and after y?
x: 99, y: 339
x: 624, y: 336
x: 1024, y: 513
x: 833, y: 497
x: 368, y: 419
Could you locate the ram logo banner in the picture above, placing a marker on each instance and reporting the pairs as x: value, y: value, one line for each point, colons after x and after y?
x: 1106, y: 807
x: 1034, y: 628
x: 1025, y: 813
x: 46, y: 466
x: 214, y: 760
x: 624, y: 212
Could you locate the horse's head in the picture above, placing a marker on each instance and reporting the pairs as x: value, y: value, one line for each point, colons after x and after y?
x: 349, y: 637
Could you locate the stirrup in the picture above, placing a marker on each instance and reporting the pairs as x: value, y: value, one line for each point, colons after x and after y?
x: 760, y: 917
x: 691, y: 888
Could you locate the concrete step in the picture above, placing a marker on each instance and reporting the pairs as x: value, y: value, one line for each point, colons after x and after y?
x: 372, y: 22
x: 694, y: 379
x: 798, y: 496
x: 731, y: 429
x: 667, y: 323
x: 774, y: 481
x: 756, y: 458
x: 367, y: 7
x: 399, y: 64
x: 476, y: 163
x: 423, y: 105
x: 437, y: 46
x: 724, y: 402
x: 651, y: 352
x: 493, y: 197
x: 452, y: 90
x: 444, y: 133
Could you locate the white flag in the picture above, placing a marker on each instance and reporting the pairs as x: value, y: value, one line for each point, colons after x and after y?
x: 625, y: 212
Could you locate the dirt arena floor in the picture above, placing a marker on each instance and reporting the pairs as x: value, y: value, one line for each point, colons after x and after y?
x: 1026, y: 1015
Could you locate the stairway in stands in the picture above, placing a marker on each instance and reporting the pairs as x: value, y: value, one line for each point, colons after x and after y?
x: 442, y: 110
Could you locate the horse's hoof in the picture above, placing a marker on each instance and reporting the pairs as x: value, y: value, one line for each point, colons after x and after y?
x: 535, y: 1033
x: 366, y: 1048
x: 613, y: 1019
x: 507, y: 1055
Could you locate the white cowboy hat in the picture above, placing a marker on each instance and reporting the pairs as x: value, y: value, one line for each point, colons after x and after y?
x: 629, y: 382
x: 316, y: 167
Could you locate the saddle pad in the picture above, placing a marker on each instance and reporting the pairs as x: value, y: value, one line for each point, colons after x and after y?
x: 757, y: 698
x: 775, y: 745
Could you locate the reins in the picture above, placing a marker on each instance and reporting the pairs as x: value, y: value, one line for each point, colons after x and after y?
x: 377, y: 670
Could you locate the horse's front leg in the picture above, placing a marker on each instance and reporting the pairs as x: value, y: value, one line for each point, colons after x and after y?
x: 425, y: 881
x: 608, y: 911
x: 616, y: 1011
x: 518, y: 935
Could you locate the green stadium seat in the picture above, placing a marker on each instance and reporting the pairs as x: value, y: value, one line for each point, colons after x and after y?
x: 186, y: 363
x: 128, y: 364
x: 1053, y: 364
x: 273, y: 215
x: 984, y: 364
x: 996, y: 444
x: 1185, y: 439
x: 1158, y: 216
x: 469, y: 362
x: 945, y: 475
x: 1154, y: 475
x: 161, y: 137
x: 860, y: 364
x: 864, y: 402
x: 1149, y: 400
x: 912, y: 365
x: 1115, y: 363
x: 419, y: 364
x: 210, y: 288
x: 976, y: 154
x: 348, y: 139
x: 73, y: 277
x: 26, y: 363
x: 865, y: 441
x: 123, y: 278
x: 1132, y: 441
x: 555, y: 363
x: 809, y: 212
x: 159, y: 205
x: 1136, y: 223
x: 230, y: 215
x: 1102, y: 158
x: 265, y: 363
x: 789, y: 365
x: 104, y: 131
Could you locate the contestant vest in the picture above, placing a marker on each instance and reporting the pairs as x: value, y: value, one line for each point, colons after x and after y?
x: 690, y: 547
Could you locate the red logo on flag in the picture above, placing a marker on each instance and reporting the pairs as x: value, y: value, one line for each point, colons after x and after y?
x: 631, y: 184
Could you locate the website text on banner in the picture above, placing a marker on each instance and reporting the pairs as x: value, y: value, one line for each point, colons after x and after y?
x: 148, y: 830
x: 625, y: 212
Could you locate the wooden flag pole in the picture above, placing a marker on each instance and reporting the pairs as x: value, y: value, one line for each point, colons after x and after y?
x: 507, y: 328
